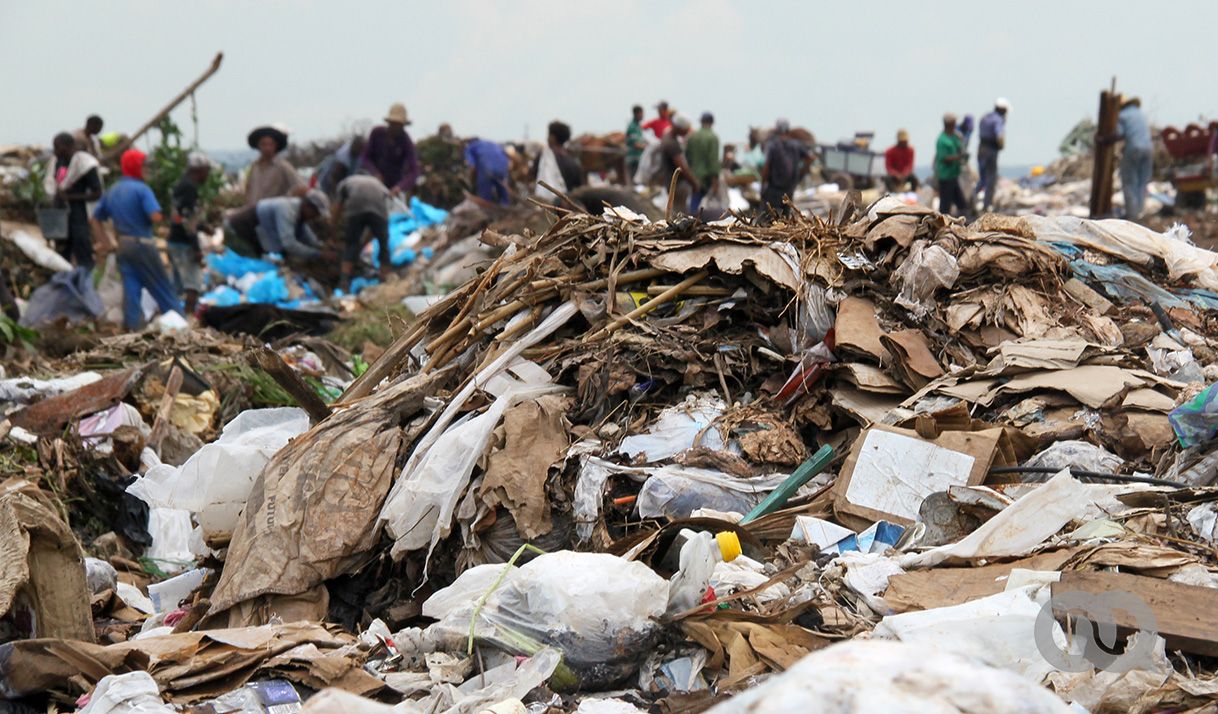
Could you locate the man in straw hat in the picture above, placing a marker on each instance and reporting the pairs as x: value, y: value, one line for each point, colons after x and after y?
x: 270, y: 175
x: 390, y: 154
x: 899, y: 165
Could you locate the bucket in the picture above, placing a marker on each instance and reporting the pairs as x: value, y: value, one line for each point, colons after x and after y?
x: 53, y: 222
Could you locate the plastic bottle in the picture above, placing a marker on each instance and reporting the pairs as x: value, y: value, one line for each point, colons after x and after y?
x: 699, y: 554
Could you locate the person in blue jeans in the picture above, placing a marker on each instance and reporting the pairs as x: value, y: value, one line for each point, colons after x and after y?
x: 133, y: 208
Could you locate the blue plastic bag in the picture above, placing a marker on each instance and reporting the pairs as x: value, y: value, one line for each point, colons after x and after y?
x: 232, y: 265
x: 1196, y: 421
x: 270, y: 288
x: 222, y: 296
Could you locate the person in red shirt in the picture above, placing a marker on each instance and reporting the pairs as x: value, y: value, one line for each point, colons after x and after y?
x: 661, y: 123
x: 899, y: 163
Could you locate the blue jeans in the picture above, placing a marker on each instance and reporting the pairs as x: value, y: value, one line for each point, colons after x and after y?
x: 139, y: 262
x: 492, y: 188
x: 1136, y: 167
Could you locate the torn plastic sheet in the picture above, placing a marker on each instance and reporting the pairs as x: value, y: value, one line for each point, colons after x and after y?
x: 590, y: 488
x: 998, y: 630
x: 862, y: 676
x: 421, y: 511
x: 677, y: 429
x: 678, y: 491
x: 1075, y: 454
x: 927, y: 268
x: 668, y: 491
x: 1019, y: 528
x: 1133, y: 243
x: 403, y: 520
x: 215, y: 482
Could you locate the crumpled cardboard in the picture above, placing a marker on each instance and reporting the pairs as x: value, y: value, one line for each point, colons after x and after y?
x: 42, y: 567
x: 190, y: 666
x: 535, y: 438
x: 314, y: 506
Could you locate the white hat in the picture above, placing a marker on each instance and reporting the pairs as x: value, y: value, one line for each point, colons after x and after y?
x: 1003, y: 104
x: 681, y: 122
x: 198, y: 160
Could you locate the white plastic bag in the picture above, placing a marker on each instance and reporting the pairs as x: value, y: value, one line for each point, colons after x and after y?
x: 215, y: 481
x: 599, y: 610
x: 130, y: 693
x: 678, y: 428
x: 863, y: 676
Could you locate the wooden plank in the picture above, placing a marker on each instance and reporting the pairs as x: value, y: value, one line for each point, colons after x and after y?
x: 270, y: 362
x: 51, y: 415
x: 1183, y: 613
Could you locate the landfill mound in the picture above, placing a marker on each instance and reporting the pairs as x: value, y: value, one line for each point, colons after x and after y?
x: 885, y: 459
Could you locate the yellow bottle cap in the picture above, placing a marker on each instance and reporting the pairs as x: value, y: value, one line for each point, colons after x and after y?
x: 729, y: 545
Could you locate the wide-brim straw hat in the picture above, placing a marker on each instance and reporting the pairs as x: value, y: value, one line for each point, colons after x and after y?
x: 276, y: 131
x: 397, y: 114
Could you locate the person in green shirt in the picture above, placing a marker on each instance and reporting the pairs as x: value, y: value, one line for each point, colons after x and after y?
x: 949, y: 158
x: 635, y: 143
x: 702, y: 150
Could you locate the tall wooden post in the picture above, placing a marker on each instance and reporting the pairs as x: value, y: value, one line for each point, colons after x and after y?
x: 1101, y: 175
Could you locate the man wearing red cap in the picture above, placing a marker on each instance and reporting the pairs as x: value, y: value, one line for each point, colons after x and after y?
x: 134, y: 208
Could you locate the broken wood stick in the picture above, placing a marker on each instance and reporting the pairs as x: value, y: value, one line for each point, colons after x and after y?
x: 650, y: 305
x: 270, y: 362
x: 160, y: 425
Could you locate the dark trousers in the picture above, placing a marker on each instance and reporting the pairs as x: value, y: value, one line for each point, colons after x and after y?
x: 354, y: 235
x: 772, y: 197
x: 77, y: 248
x: 894, y: 184
x: 950, y: 194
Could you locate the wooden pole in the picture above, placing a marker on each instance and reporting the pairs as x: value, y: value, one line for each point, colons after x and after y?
x: 1101, y: 175
x: 156, y: 118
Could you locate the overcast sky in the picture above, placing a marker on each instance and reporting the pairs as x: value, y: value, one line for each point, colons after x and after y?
x: 495, y: 68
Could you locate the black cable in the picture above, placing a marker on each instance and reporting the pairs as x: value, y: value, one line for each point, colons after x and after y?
x: 1078, y: 473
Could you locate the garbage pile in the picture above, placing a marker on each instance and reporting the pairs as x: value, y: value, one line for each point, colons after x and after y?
x: 645, y: 465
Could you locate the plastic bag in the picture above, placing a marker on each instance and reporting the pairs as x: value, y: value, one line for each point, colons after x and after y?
x: 676, y: 492
x: 130, y: 693
x: 649, y: 163
x: 215, y: 481
x: 401, y: 515
x: 862, y: 676
x: 597, y: 609
x: 927, y: 268
x: 1074, y: 454
x: 677, y: 429
x: 1196, y: 421
x: 67, y: 295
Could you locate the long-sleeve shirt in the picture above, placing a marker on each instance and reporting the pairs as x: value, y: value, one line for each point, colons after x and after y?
x: 899, y: 160
x: 270, y: 179
x: 395, y: 162
x: 281, y: 230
